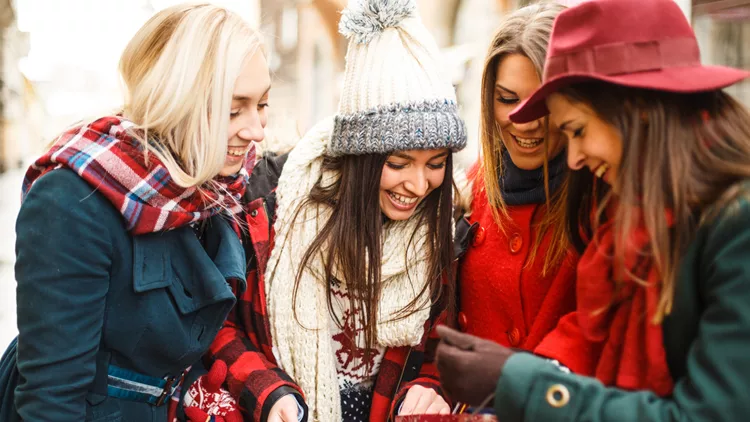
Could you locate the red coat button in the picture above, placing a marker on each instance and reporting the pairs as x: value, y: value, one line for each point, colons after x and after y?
x: 516, y: 242
x: 479, y: 236
x: 463, y: 322
x: 514, y: 337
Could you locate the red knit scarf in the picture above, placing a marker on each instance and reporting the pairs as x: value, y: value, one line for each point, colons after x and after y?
x: 619, y: 317
x: 112, y: 161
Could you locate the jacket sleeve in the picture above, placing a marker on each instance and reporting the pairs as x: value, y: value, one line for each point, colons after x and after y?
x: 252, y: 378
x: 567, y: 344
x: 64, y: 254
x: 716, y: 386
x: 428, y: 376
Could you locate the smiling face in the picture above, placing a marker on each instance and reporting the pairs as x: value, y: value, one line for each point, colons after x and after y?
x: 592, y: 142
x: 407, y: 178
x: 247, y: 118
x: 516, y: 80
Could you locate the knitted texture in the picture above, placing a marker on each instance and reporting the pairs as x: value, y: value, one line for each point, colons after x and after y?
x: 303, y: 339
x: 395, y: 95
x: 426, y: 125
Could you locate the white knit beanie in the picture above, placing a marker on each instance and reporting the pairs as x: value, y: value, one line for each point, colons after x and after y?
x: 395, y: 96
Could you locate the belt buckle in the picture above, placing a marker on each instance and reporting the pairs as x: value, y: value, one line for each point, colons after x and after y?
x: 167, y: 391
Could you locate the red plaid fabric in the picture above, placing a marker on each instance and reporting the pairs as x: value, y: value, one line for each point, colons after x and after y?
x: 244, y: 344
x: 109, y: 158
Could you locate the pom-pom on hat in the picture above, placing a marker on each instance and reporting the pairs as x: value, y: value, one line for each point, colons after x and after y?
x: 395, y: 95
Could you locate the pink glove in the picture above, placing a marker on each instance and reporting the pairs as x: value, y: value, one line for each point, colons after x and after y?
x: 205, y: 400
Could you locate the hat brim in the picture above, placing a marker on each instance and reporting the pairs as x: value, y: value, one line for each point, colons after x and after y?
x: 674, y: 79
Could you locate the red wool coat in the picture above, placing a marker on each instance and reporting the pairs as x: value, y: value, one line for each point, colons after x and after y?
x: 502, y: 297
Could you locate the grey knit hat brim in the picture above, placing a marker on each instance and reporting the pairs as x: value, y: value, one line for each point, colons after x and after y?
x: 424, y: 125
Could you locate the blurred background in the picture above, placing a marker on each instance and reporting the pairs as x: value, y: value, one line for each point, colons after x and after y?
x: 58, y: 64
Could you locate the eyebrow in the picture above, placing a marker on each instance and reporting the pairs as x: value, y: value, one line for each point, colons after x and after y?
x: 246, y: 98
x: 506, y: 89
x: 406, y: 156
x: 565, y: 124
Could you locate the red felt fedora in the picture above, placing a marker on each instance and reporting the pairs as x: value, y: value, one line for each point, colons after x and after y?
x: 635, y: 43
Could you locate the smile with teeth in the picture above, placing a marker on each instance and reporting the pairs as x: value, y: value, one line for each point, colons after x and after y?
x: 599, y: 172
x: 403, y: 200
x: 528, y: 142
x: 237, y: 151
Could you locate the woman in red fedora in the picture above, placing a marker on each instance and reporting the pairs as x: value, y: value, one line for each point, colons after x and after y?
x: 517, y: 277
x: 658, y: 205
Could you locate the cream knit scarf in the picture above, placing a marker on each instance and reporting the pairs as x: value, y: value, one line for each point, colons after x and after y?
x: 304, y: 350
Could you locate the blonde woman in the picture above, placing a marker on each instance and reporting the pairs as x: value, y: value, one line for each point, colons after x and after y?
x: 517, y: 277
x: 126, y: 235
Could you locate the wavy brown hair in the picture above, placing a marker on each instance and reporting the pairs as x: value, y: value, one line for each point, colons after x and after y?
x: 687, y: 153
x: 525, y: 31
x: 356, y: 229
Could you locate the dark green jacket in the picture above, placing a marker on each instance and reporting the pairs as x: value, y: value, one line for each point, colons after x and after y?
x: 706, y: 337
x: 90, y: 295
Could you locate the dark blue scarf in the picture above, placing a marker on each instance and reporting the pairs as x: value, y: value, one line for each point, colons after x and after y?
x: 521, y: 187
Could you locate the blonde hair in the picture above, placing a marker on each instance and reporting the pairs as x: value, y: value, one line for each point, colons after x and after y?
x: 525, y: 31
x: 179, y: 72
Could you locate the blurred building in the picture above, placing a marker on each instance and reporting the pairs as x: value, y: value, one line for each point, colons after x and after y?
x: 15, y: 91
x: 723, y: 31
x: 307, y: 58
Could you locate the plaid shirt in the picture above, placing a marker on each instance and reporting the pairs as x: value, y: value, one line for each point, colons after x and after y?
x: 244, y: 342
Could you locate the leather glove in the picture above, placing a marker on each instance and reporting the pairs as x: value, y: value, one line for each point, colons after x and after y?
x: 469, y: 366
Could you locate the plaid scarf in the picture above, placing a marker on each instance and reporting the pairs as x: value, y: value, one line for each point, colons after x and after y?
x: 112, y: 161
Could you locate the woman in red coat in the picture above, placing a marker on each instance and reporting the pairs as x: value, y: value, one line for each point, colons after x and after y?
x: 517, y: 276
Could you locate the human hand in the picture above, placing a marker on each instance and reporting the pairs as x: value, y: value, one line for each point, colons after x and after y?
x: 423, y: 401
x: 284, y: 410
x: 205, y: 398
x: 469, y: 366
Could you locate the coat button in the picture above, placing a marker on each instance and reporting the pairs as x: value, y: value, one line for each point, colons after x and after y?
x: 479, y: 236
x: 516, y: 241
x: 254, y: 213
x: 463, y: 322
x: 558, y: 395
x: 514, y: 337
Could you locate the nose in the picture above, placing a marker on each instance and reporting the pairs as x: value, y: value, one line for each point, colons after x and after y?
x: 252, y: 129
x: 417, y: 183
x: 576, y: 157
x: 528, y: 126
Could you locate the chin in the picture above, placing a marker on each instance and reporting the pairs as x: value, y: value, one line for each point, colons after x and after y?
x: 397, y: 215
x: 230, y: 171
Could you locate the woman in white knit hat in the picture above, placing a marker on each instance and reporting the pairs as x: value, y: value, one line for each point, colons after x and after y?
x: 323, y: 335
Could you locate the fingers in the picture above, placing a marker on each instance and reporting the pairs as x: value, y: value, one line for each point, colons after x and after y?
x: 215, y: 376
x: 426, y: 397
x: 196, y: 415
x: 421, y: 401
x: 456, y: 338
x: 289, y: 415
x: 438, y: 407
x: 410, y: 401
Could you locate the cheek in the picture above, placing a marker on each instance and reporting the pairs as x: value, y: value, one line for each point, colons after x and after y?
x: 436, y: 178
x: 501, y: 112
x: 389, y: 178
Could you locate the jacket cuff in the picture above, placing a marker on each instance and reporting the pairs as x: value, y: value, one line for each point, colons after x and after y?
x: 531, y: 388
x: 278, y: 394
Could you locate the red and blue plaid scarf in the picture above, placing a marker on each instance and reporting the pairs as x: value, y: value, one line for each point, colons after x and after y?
x: 112, y: 161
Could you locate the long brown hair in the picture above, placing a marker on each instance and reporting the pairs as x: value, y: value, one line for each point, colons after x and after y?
x: 525, y: 31
x: 683, y: 153
x: 353, y: 236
